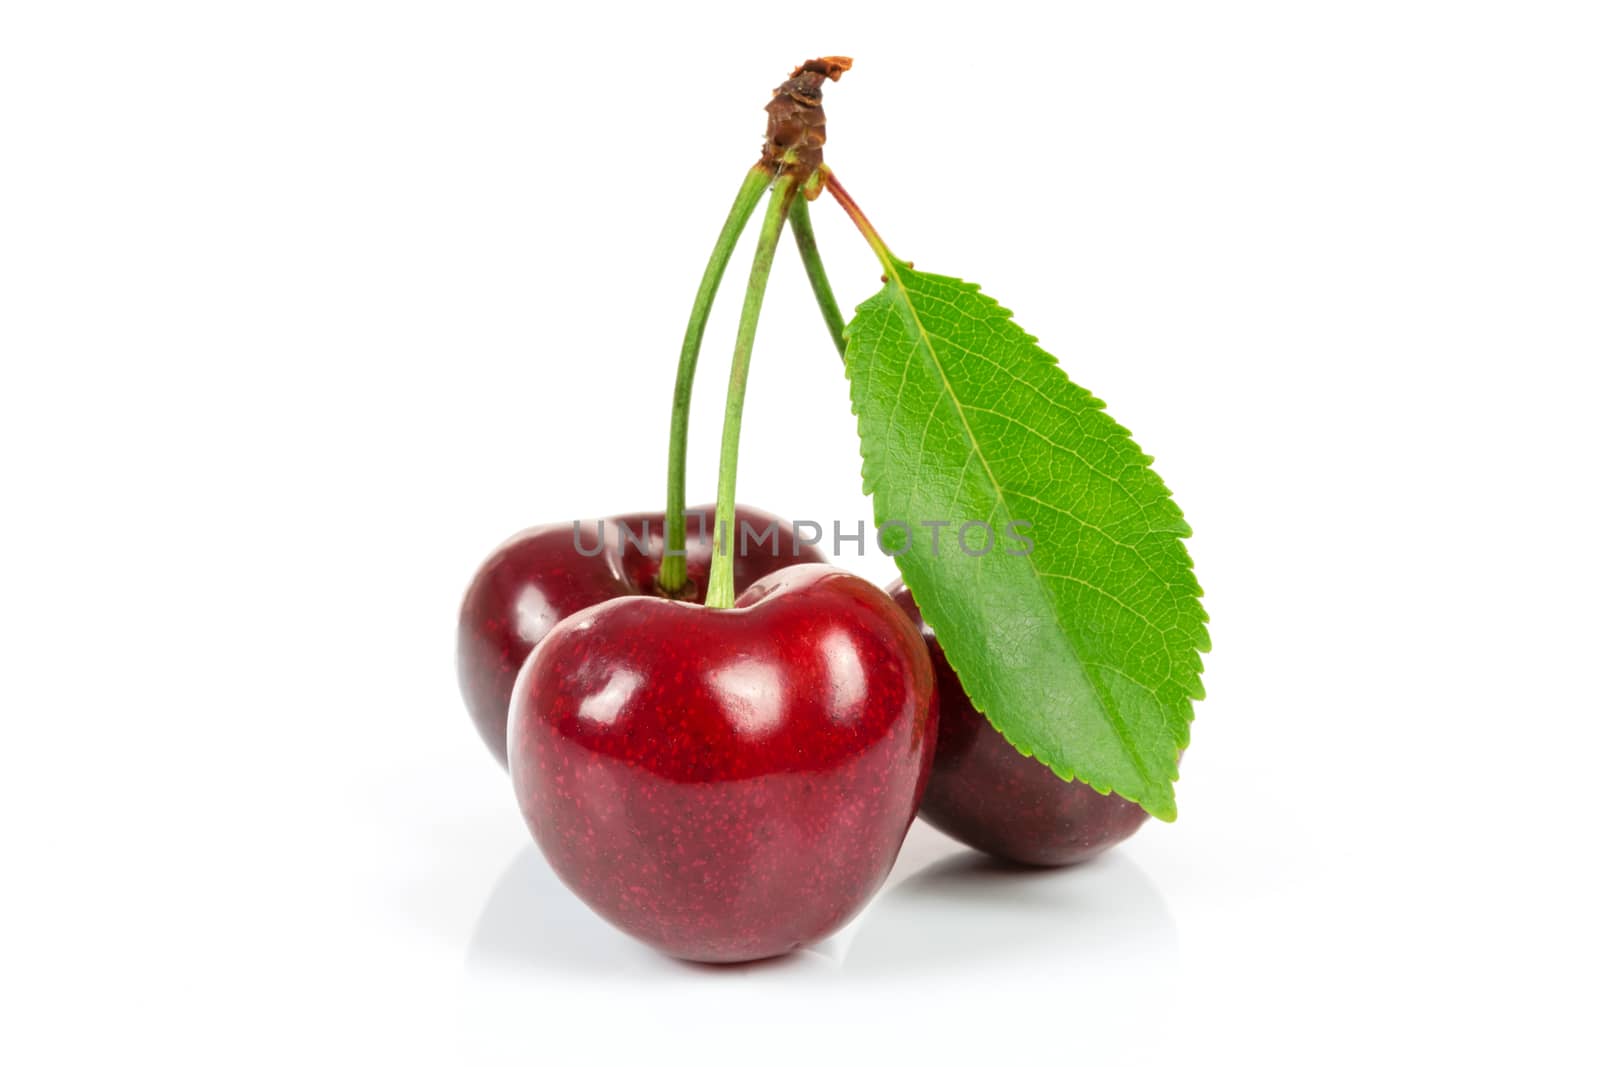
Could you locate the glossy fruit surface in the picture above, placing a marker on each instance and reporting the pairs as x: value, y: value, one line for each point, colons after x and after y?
x: 547, y: 573
x: 727, y: 785
x: 986, y: 794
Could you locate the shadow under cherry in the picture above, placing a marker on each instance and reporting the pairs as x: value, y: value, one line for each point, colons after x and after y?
x: 941, y: 909
x: 969, y: 910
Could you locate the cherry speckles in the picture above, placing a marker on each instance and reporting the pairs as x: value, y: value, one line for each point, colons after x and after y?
x: 543, y: 575
x: 986, y: 794
x: 727, y: 785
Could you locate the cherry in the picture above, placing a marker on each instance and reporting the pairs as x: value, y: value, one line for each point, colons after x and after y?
x: 986, y: 794
x: 544, y: 574
x: 727, y: 784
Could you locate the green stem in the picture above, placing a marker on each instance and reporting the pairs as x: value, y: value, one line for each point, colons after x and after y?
x: 674, y: 573
x: 891, y: 266
x: 719, y: 588
x: 806, y: 238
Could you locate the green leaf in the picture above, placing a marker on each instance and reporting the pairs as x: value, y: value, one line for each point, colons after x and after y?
x: 1084, y: 652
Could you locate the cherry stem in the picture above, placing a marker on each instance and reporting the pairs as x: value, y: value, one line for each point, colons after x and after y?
x: 719, y: 587
x: 891, y: 266
x: 805, y: 238
x: 674, y: 571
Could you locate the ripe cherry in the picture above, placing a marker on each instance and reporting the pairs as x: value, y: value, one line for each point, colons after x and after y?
x: 986, y: 794
x: 727, y: 784
x: 544, y: 574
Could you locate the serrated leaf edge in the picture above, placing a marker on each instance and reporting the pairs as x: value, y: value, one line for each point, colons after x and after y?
x: 896, y: 293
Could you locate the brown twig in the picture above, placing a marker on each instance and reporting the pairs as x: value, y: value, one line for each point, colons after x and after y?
x: 796, y: 126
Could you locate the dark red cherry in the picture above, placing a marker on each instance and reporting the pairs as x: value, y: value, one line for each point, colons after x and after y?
x: 986, y: 794
x: 547, y: 573
x: 727, y: 784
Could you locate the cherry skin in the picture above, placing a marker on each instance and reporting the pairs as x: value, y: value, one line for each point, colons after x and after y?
x: 727, y: 785
x: 986, y: 794
x: 541, y: 576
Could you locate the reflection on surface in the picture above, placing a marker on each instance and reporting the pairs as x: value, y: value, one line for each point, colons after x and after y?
x: 845, y: 674
x: 970, y: 911
x: 533, y: 921
x: 752, y: 693
x: 535, y: 615
x: 944, y: 907
x: 604, y: 707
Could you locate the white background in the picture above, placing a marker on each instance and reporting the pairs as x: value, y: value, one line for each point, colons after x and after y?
x: 305, y: 306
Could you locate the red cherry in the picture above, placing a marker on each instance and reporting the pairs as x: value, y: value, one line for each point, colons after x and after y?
x: 540, y: 577
x: 986, y: 794
x: 730, y: 784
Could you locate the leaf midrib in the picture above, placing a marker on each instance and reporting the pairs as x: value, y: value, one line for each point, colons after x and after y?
x: 925, y: 342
